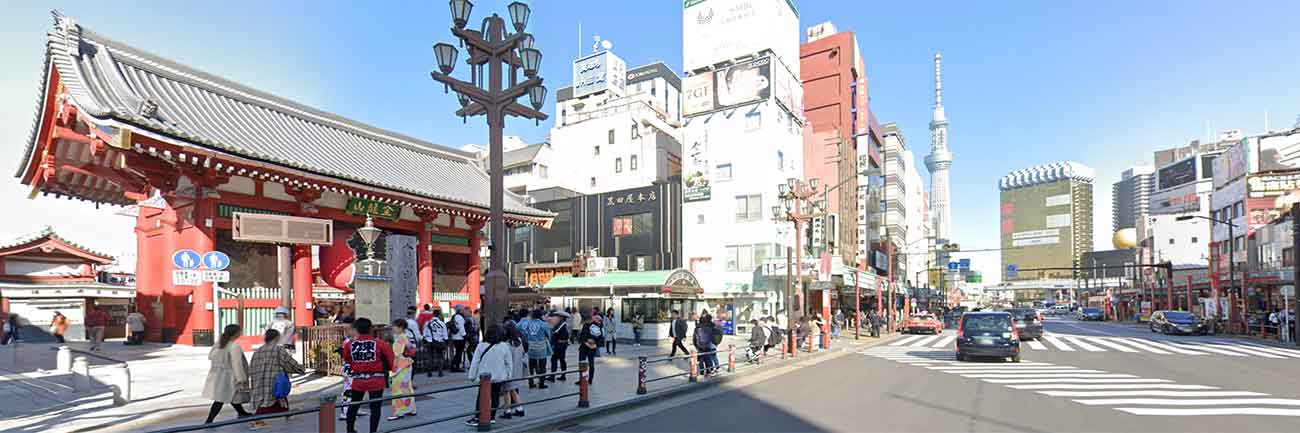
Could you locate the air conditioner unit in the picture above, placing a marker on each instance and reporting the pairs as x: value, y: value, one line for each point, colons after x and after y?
x: 251, y: 227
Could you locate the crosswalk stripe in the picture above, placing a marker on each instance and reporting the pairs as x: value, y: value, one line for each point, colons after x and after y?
x: 1037, y: 345
x: 945, y: 341
x: 1194, y: 402
x: 1152, y: 393
x: 1171, y: 348
x: 1021, y: 366
x: 1113, y: 386
x: 1245, y: 349
x: 1074, y: 380
x: 1058, y: 343
x: 1113, y: 345
x: 1026, y: 372
x: 926, y: 341
x: 1048, y: 375
x: 1209, y: 348
x: 1078, y: 341
x: 1278, y: 350
x: 1210, y: 411
x: 1140, y: 344
x: 907, y: 339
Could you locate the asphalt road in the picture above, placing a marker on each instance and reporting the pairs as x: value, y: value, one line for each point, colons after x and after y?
x: 1112, y: 378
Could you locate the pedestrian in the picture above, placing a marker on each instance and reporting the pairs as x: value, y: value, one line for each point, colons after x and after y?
x: 677, y: 331
x: 283, y: 325
x: 8, y: 326
x: 456, y: 329
x: 537, y: 336
x: 346, y: 397
x: 434, y: 332
x: 801, y: 332
x: 774, y: 336
x: 371, y: 359
x: 472, y: 328
x: 494, y: 360
x: 611, y: 332
x: 227, y: 381
x: 875, y: 324
x: 703, y: 340
x: 638, y: 324
x: 591, y: 338
x: 424, y: 317
x: 519, y: 368
x: 412, y: 325
x: 837, y: 323
x: 404, y: 354
x: 135, y: 325
x: 59, y: 326
x: 575, y: 322
x: 269, y: 373
x: 560, y: 337
x: 757, y: 339
x: 96, y: 321
x: 817, y: 328
x: 345, y: 316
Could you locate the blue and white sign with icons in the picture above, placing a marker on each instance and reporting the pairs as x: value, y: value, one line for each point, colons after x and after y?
x: 1013, y: 271
x: 186, y: 259
x: 216, y: 260
x: 964, y: 264
x: 952, y: 266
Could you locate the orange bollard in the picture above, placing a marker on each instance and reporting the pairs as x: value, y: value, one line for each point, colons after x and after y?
x: 484, y: 402
x: 695, y: 366
x: 583, y: 385
x: 731, y: 358
x: 325, y: 418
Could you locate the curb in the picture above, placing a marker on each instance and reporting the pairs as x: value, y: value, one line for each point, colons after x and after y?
x: 559, y: 420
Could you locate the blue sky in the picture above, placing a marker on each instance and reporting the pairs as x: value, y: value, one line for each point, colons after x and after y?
x: 1099, y: 82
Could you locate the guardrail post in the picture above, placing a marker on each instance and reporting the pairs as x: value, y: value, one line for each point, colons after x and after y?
x: 695, y: 365
x: 63, y: 360
x: 731, y: 358
x: 121, y: 384
x: 325, y: 417
x: 640, y: 375
x: 484, y: 402
x: 783, y: 348
x: 583, y: 384
x: 80, y: 374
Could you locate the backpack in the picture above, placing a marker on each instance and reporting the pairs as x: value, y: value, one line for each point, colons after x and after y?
x: 409, y: 351
x: 715, y: 336
x: 452, y: 327
x: 471, y: 331
x: 561, y: 333
x: 703, y: 337
x: 774, y: 336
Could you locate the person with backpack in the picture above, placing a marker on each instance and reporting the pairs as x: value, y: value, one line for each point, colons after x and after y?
x: 495, y: 360
x: 370, y: 359
x: 706, y: 340
x: 537, y: 337
x: 514, y: 338
x: 435, y: 342
x: 774, y: 335
x: 472, y: 336
x: 456, y: 329
x: 591, y: 338
x: 560, y: 336
x: 757, y: 339
x: 268, y: 372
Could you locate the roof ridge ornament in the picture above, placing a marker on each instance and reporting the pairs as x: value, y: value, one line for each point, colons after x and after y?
x: 71, y: 32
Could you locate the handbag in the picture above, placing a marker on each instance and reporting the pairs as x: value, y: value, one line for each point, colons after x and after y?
x: 281, y: 388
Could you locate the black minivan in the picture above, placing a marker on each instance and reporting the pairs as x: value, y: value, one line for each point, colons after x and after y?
x: 988, y: 334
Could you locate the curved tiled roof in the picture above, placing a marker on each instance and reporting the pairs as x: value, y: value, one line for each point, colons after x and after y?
x: 48, y: 232
x: 110, y: 80
x: 1045, y: 173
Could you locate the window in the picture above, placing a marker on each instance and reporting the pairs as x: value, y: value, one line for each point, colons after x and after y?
x: 1193, y: 239
x: 1171, y: 241
x: 753, y: 120
x: 780, y: 160
x: 541, y: 171
x: 633, y: 225
x: 611, y: 136
x: 618, y: 165
x: 652, y: 88
x: 699, y: 219
x: 636, y: 131
x: 631, y: 164
x: 724, y: 172
x: 593, y: 182
x: 596, y: 151
x: 749, y: 208
x: 1238, y: 210
x: 740, y: 258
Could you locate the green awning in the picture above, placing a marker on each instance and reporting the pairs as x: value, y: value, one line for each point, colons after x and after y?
x: 673, y: 280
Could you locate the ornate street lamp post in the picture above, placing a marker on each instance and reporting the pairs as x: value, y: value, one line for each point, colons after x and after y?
x: 797, y: 206
x: 494, y: 47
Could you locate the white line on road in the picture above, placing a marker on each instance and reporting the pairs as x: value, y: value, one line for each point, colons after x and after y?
x: 1020, y: 366
x: 1140, y: 344
x: 1070, y: 380
x: 1113, y: 345
x: 1152, y: 393
x: 1172, y: 348
x: 1270, y: 349
x: 1037, y: 345
x: 1210, y: 411
x: 1056, y: 341
x: 926, y: 341
x: 945, y: 341
x: 1004, y: 371
x: 1048, y: 375
x: 1247, y: 350
x: 907, y: 339
x: 1210, y: 348
x: 1084, y: 345
x: 1193, y: 402
x: 1114, y: 386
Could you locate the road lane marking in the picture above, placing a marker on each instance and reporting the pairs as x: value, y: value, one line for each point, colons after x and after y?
x: 1113, y: 345
x: 945, y: 341
x: 907, y: 339
x: 1172, y: 348
x: 1018, y: 367
x: 1037, y: 345
x: 1073, y: 380
x: 1152, y: 393
x: 1026, y: 372
x: 1114, y: 386
x: 1247, y: 350
x: 1078, y: 341
x: 1047, y: 375
x: 1270, y: 349
x: 1140, y: 344
x: 1056, y: 341
x: 1210, y: 348
x: 1210, y: 411
x: 1194, y: 402
x: 926, y: 341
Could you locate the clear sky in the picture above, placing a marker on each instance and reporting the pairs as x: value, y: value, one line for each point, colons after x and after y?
x: 1099, y: 82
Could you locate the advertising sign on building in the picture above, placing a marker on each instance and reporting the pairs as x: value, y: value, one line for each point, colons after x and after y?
x: 743, y: 83
x: 720, y: 30
x: 1177, y: 200
x: 597, y: 72
x: 696, y: 180
x: 1273, y: 184
x: 1178, y: 173
x: 1232, y: 164
x: 1057, y: 200
x: 697, y: 94
x: 1279, y: 152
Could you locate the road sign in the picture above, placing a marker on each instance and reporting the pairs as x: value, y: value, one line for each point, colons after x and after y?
x: 1012, y: 271
x: 182, y: 277
x: 952, y: 266
x: 216, y: 260
x: 215, y: 276
x: 186, y: 259
x: 964, y: 264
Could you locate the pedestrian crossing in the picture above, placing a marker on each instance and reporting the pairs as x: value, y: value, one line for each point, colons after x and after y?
x: 1122, y: 392
x: 1092, y: 343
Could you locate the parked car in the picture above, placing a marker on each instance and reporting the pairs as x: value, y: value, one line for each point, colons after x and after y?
x: 988, y: 334
x: 1089, y: 313
x: 922, y: 322
x: 1176, y: 322
x: 1028, y: 323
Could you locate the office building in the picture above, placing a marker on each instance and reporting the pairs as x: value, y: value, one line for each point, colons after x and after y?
x: 1131, y: 196
x: 1046, y: 214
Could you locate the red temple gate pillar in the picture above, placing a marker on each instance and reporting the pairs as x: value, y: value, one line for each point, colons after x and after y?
x: 473, y: 275
x: 424, y: 266
x: 303, y: 303
x: 198, y: 237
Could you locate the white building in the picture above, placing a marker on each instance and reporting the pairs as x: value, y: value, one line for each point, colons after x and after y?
x: 742, y: 137
x: 916, y: 203
x: 1183, y: 190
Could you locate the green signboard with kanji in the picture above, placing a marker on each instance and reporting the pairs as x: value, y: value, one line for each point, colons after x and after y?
x: 361, y: 206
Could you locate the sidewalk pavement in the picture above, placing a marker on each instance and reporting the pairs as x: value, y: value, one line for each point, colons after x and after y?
x: 615, y: 380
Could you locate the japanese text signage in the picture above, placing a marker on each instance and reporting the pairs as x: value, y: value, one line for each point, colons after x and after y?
x: 1268, y: 185
x: 597, y: 72
x: 631, y: 197
x: 361, y: 206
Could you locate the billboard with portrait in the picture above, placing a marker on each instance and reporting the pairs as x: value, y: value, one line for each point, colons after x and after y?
x: 1177, y: 174
x: 743, y: 83
x: 1232, y: 164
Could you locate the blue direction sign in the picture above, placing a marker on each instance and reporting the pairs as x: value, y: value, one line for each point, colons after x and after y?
x: 186, y: 259
x: 1013, y: 271
x: 216, y: 260
x: 964, y: 264
x: 952, y: 266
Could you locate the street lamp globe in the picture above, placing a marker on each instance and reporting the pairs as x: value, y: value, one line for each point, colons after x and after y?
x: 812, y: 183
x: 446, y: 54
x: 532, y: 59
x: 776, y: 211
x: 781, y: 190
x: 460, y: 10
x: 369, y: 233
x: 519, y: 15
x: 464, y: 100
x: 537, y: 96
x: 791, y: 182
x: 525, y: 41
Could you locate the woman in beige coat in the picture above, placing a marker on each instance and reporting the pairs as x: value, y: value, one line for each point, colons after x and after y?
x: 228, y: 377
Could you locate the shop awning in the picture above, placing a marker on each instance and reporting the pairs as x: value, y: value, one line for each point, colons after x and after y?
x: 675, y: 282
